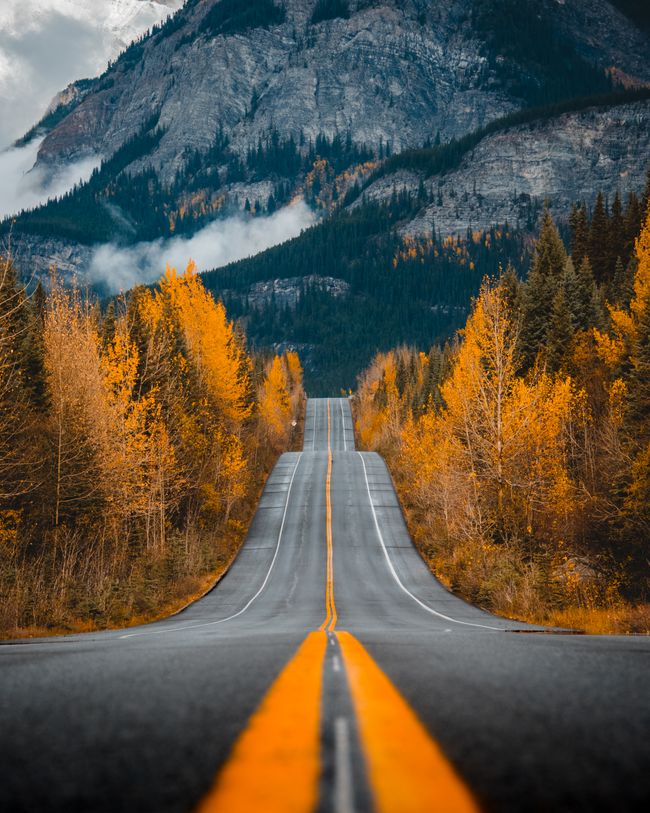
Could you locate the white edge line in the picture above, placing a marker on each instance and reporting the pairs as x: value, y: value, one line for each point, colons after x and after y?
x: 264, y: 583
x: 313, y: 434
x: 397, y: 578
x: 345, y: 443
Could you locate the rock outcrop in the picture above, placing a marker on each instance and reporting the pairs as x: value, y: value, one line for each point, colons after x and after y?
x: 396, y: 71
x: 509, y: 175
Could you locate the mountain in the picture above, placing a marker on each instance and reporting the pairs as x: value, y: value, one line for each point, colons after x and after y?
x: 447, y: 116
x: 46, y: 44
x: 226, y: 103
x: 506, y: 175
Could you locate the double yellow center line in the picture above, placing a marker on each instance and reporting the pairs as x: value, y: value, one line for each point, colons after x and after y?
x: 275, y: 763
x: 330, y: 620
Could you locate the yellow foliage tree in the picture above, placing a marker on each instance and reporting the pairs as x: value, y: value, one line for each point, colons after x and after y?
x: 275, y: 404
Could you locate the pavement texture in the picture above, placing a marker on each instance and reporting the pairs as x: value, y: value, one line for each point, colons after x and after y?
x: 144, y: 719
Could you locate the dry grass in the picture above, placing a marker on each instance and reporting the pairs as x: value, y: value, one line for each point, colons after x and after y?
x: 623, y: 620
x: 502, y: 580
x: 153, y: 587
x: 179, y: 595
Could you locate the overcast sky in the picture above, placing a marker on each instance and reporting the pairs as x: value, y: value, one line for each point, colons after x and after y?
x: 46, y: 44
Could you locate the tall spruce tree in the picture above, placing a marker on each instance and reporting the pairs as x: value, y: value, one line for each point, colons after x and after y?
x: 622, y: 288
x: 633, y: 218
x: 545, y: 274
x: 639, y: 384
x: 561, y: 330
x: 513, y: 291
x: 584, y: 307
x: 599, y: 247
x: 579, y: 234
x: 616, y: 233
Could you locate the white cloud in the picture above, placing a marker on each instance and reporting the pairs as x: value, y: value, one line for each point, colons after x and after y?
x: 46, y: 44
x: 23, y: 187
x: 216, y: 245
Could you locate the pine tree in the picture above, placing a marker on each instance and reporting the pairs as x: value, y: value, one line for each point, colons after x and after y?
x: 560, y: 332
x: 623, y: 287
x: 633, y: 219
x: 645, y: 200
x: 513, y: 291
x: 599, y: 251
x: 579, y: 234
x: 109, y: 322
x: 616, y: 233
x: 640, y: 307
x: 640, y: 375
x: 584, y: 305
x: 545, y: 273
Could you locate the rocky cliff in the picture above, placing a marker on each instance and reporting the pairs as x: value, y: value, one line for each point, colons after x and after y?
x: 397, y: 72
x: 508, y: 175
x: 229, y: 107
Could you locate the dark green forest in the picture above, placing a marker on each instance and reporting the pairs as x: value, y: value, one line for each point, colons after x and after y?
x: 414, y: 291
x: 409, y: 291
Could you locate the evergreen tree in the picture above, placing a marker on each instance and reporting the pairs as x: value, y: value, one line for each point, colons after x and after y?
x: 545, y: 273
x: 633, y: 218
x: 584, y: 307
x: 513, y: 291
x: 579, y: 234
x: 645, y: 201
x: 571, y: 288
x: 616, y: 233
x: 599, y: 250
x: 639, y: 384
x: 622, y: 287
x: 560, y: 331
x: 109, y: 323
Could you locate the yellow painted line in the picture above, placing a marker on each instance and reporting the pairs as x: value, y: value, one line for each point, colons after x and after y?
x: 331, y: 617
x: 408, y: 772
x: 275, y: 764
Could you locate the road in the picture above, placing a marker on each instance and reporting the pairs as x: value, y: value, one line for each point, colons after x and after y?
x: 328, y: 671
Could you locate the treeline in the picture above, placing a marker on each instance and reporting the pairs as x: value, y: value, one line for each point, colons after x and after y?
x: 232, y: 17
x: 529, y: 55
x: 127, y: 202
x: 440, y: 158
x: 133, y: 444
x: 522, y: 450
x: 418, y: 290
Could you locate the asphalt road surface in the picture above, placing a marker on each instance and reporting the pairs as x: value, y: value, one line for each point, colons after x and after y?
x: 327, y: 671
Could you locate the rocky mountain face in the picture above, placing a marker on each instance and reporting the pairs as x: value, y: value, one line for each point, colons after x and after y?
x: 508, y: 176
x: 242, y: 107
x: 391, y: 72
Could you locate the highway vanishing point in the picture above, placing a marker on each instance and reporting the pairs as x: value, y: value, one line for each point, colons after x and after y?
x: 328, y: 671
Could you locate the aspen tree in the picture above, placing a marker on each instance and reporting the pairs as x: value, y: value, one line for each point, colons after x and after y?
x: 275, y: 403
x: 77, y: 430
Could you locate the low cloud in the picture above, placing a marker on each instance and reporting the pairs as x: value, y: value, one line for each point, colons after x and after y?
x: 42, y: 51
x: 224, y: 241
x: 46, y: 44
x: 23, y: 187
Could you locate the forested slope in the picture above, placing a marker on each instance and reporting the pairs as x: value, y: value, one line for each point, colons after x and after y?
x: 133, y: 445
x: 521, y: 450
